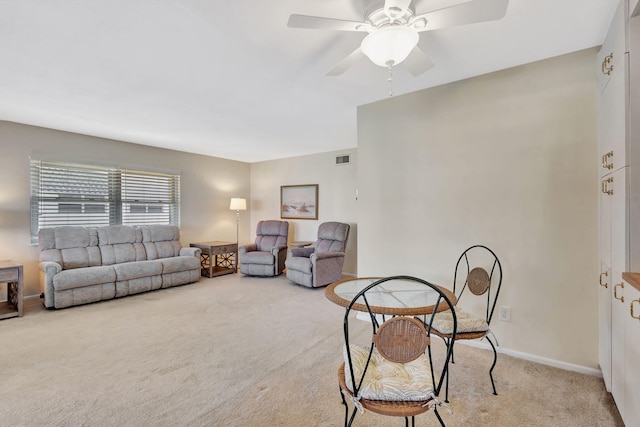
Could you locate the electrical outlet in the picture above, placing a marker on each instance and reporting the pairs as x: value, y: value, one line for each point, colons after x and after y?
x: 505, y: 314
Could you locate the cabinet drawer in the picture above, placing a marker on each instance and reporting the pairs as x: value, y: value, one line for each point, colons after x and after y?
x: 9, y: 275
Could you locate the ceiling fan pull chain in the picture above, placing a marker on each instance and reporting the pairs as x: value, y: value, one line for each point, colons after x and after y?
x: 390, y: 80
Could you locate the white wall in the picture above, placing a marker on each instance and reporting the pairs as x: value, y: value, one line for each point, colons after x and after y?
x: 207, y: 185
x: 507, y: 160
x: 336, y: 192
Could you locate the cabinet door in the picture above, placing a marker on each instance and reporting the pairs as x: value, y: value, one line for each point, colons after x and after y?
x: 614, y: 46
x: 618, y: 310
x: 632, y: 343
x: 604, y: 225
x: 618, y: 193
x: 612, y: 129
x: 604, y: 323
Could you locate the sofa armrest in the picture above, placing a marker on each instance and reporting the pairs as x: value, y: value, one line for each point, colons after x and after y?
x: 280, y: 254
x: 301, y: 252
x: 247, y: 248
x: 48, y: 269
x: 195, y: 252
x: 327, y: 267
x: 326, y: 255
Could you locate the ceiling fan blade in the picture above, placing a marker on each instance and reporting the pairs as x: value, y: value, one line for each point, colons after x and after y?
x: 318, y: 22
x: 418, y: 62
x: 433, y: 5
x: 396, y: 8
x: 346, y: 63
x: 462, y: 14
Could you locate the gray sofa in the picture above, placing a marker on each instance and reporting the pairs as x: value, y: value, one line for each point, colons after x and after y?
x: 81, y: 265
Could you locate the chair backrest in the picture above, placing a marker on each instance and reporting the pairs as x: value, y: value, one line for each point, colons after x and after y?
x: 400, y: 339
x: 478, y: 274
x: 332, y: 237
x: 271, y: 234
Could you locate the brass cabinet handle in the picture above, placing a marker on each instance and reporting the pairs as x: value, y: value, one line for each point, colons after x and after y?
x: 605, y: 186
x: 615, y: 294
x: 608, y: 156
x: 605, y: 160
x: 632, y: 313
x: 607, y: 68
x: 606, y: 273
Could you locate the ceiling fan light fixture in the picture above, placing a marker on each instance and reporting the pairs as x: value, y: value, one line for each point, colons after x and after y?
x: 389, y: 46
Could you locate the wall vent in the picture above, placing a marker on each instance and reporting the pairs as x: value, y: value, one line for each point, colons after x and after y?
x: 343, y: 160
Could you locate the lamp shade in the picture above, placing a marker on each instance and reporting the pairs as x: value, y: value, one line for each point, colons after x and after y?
x: 238, y: 204
x: 389, y: 46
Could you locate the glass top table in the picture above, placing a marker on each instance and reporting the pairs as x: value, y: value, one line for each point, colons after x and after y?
x: 394, y: 297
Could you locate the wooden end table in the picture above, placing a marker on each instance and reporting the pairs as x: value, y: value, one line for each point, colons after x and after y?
x: 217, y: 258
x: 11, y: 274
x: 300, y: 244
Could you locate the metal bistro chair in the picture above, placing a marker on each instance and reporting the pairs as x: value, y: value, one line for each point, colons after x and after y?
x: 472, y: 278
x: 393, y: 372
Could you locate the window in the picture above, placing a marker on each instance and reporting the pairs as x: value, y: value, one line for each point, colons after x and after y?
x: 92, y: 196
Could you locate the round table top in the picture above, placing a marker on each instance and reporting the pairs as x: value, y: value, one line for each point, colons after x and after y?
x: 395, y: 297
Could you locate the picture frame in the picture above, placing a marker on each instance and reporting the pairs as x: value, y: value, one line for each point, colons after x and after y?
x: 299, y: 201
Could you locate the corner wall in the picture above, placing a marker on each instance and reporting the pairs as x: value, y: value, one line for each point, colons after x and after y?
x: 336, y: 192
x: 508, y: 160
x: 207, y: 185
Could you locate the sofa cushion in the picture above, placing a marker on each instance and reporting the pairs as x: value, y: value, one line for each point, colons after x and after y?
x: 71, y: 247
x: 179, y: 263
x: 135, y: 270
x: 258, y: 257
x: 120, y: 244
x: 159, y: 233
x: 299, y: 264
x: 115, y: 234
x: 122, y: 252
x: 74, y: 237
x: 79, y: 277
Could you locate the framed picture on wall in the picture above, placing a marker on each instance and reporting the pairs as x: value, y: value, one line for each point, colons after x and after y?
x: 299, y: 201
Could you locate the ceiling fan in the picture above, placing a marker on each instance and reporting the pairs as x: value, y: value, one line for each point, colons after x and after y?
x: 393, y: 27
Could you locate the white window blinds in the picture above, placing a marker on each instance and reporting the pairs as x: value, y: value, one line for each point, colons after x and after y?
x: 92, y: 196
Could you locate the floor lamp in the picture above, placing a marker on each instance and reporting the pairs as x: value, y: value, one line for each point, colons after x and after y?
x: 238, y: 204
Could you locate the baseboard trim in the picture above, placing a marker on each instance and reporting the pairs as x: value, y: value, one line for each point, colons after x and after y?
x: 31, y: 297
x: 537, y: 359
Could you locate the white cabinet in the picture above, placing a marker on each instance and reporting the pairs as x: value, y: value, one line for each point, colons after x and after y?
x: 618, y: 377
x: 612, y: 105
x: 614, y: 262
x: 613, y: 233
x: 632, y: 355
x: 604, y: 321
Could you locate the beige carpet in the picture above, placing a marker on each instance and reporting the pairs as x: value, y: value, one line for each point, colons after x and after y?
x: 240, y: 351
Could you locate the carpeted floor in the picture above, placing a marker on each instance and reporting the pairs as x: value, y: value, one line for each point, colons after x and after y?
x: 241, y: 351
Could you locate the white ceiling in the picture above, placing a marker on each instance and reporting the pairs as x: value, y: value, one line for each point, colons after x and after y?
x: 230, y: 79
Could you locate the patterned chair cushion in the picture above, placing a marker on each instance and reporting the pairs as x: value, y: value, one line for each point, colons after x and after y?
x: 387, y: 380
x: 443, y: 322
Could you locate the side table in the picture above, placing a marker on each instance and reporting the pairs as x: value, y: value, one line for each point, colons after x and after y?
x: 217, y: 258
x: 300, y: 244
x: 11, y: 274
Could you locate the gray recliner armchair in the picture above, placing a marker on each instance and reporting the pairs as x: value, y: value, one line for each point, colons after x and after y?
x: 321, y: 264
x: 266, y: 256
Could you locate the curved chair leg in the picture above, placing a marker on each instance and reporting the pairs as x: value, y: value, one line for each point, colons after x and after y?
x: 446, y: 394
x: 495, y: 359
x: 439, y: 417
x: 346, y: 407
